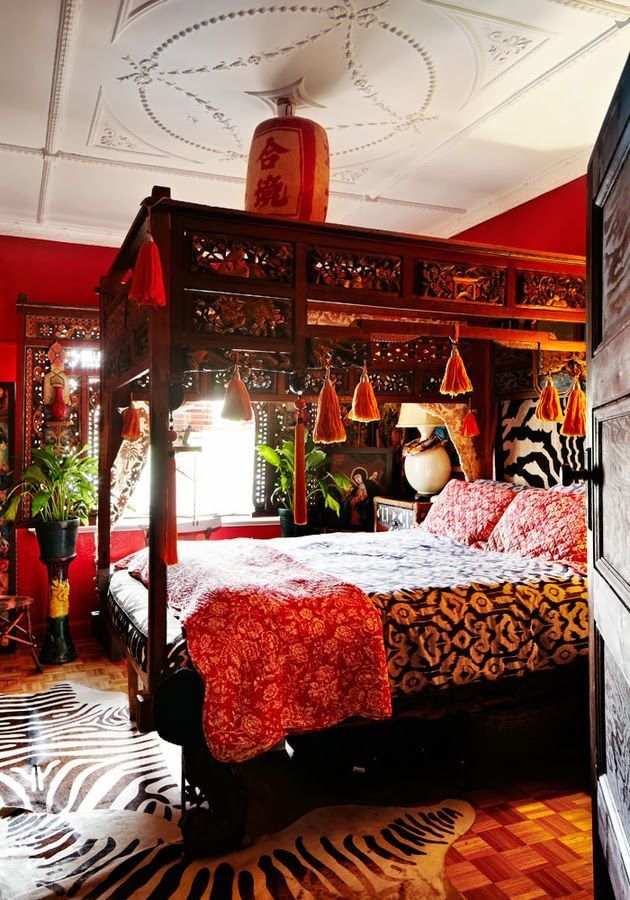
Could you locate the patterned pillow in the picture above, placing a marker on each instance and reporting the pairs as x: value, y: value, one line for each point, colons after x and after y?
x: 467, y: 511
x: 546, y: 524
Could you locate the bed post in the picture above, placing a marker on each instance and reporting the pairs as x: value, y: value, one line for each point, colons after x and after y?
x: 160, y: 381
x: 106, y: 458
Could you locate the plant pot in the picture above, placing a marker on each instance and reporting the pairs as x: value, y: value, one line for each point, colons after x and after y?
x: 288, y: 528
x: 57, y: 540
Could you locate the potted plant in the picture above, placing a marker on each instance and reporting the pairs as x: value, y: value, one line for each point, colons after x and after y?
x: 320, y: 483
x: 62, y: 491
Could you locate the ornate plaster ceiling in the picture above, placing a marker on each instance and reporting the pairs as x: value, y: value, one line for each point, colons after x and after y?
x: 440, y: 113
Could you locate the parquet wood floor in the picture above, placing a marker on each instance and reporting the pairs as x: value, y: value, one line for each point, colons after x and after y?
x: 530, y: 841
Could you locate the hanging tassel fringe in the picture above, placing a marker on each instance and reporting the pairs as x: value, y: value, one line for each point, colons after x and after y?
x: 237, y: 405
x: 130, y: 430
x: 456, y: 380
x: 470, y: 427
x: 147, y: 284
x: 364, y: 405
x: 574, y: 424
x: 300, y: 511
x: 328, y: 425
x: 549, y: 409
x: 170, y: 544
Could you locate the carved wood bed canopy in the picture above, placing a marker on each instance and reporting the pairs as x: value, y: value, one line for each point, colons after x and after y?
x: 280, y: 295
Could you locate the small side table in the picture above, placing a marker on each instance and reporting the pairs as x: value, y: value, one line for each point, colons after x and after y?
x: 391, y: 514
x: 11, y: 627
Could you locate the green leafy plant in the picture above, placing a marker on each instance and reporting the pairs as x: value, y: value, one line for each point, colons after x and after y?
x: 61, y: 487
x: 320, y: 483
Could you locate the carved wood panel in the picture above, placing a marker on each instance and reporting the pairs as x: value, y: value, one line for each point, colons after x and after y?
x: 615, y: 537
x: 617, y: 731
x: 615, y: 270
x: 545, y: 289
x: 355, y: 270
x: 460, y: 281
x: 241, y: 257
x: 223, y: 314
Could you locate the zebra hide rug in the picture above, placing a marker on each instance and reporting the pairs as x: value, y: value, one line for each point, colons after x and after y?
x: 89, y: 808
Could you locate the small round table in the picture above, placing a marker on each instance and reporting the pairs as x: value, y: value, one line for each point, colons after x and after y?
x: 15, y: 610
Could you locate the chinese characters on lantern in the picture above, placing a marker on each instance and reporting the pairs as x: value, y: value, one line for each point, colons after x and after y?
x: 270, y: 190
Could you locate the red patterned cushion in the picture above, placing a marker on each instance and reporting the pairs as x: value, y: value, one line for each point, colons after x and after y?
x: 545, y: 524
x: 468, y: 511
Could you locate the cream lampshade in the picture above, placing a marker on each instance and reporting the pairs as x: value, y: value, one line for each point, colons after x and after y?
x: 427, y: 470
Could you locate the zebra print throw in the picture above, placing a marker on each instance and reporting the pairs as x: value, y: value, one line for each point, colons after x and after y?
x: 531, y: 452
x: 88, y: 808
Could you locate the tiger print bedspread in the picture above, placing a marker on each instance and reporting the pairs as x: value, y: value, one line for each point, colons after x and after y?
x: 451, y: 614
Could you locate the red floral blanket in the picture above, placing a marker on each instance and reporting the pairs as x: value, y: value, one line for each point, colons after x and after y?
x: 303, y: 655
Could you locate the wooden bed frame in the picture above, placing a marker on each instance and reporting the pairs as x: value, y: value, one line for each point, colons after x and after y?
x: 303, y: 276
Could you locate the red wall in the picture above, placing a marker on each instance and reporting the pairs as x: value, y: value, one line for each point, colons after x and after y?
x: 555, y: 221
x: 47, y: 272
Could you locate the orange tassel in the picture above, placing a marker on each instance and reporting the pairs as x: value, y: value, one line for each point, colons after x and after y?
x: 470, y: 428
x: 364, y: 405
x: 237, y: 405
x: 130, y: 430
x: 328, y: 425
x: 456, y: 380
x: 300, y: 512
x: 574, y: 424
x: 170, y: 544
x: 549, y: 409
x: 147, y: 284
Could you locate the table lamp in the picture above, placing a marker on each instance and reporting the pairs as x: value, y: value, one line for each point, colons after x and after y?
x: 427, y: 464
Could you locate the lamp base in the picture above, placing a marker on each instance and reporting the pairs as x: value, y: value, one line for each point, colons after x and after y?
x: 427, y: 472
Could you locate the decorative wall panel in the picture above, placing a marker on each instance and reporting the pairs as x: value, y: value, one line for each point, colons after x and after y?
x: 348, y: 269
x: 458, y: 281
x: 548, y: 290
x: 66, y: 328
x: 58, y: 382
x: 241, y: 257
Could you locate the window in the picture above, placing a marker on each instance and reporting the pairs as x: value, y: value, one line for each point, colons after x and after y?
x: 216, y: 478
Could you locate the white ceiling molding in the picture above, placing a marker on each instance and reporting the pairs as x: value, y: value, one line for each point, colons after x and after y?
x: 66, y: 31
x: 600, y: 7
x: 439, y: 113
x: 570, y: 60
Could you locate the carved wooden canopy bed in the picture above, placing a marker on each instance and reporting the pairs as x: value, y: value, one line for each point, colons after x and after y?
x: 280, y: 296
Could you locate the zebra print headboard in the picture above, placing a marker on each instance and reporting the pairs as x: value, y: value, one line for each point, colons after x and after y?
x: 531, y: 452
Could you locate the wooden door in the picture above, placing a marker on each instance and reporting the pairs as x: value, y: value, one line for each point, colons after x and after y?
x: 609, y: 494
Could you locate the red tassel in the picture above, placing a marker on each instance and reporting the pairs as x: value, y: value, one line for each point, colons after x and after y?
x: 364, y: 405
x: 170, y: 544
x: 470, y: 428
x: 237, y: 405
x: 549, y: 409
x: 456, y: 380
x: 130, y: 430
x: 328, y: 425
x: 147, y: 284
x: 300, y: 512
x: 574, y: 424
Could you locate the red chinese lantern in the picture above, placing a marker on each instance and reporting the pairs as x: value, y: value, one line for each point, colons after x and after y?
x: 288, y: 171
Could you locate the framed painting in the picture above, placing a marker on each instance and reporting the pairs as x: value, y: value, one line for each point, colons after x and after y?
x: 370, y: 472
